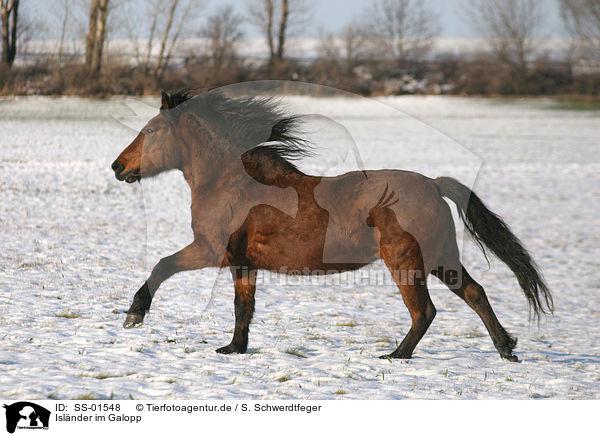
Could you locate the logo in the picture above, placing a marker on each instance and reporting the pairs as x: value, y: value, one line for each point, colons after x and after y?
x: 26, y: 415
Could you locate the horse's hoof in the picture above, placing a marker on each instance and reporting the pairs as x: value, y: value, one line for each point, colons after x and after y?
x: 511, y: 358
x: 230, y: 349
x: 396, y: 355
x: 133, y: 320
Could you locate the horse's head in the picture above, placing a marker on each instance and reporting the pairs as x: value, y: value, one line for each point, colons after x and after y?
x: 208, y: 136
x: 152, y: 151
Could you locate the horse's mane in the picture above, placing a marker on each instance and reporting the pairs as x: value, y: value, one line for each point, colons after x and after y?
x: 246, y: 122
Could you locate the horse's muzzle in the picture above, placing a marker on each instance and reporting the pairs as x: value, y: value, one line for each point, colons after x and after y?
x: 130, y: 176
x: 117, y: 167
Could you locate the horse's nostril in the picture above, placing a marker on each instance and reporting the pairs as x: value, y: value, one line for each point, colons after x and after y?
x: 117, y: 167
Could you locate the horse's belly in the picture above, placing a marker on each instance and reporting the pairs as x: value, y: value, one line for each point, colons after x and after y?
x: 304, y: 254
x: 283, y: 253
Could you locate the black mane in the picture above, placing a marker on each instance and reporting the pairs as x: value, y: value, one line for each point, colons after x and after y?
x: 170, y: 101
x: 246, y: 122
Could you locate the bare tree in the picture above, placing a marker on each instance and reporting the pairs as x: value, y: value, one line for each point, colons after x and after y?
x: 96, y: 35
x: 153, y: 30
x: 261, y: 13
x: 353, y: 39
x: 63, y: 30
x: 29, y: 27
x: 347, y: 47
x: 90, y: 41
x: 143, y: 26
x: 9, y: 15
x: 283, y: 23
x: 222, y: 31
x: 159, y: 69
x: 511, y: 28
x: 68, y: 26
x: 285, y: 15
x: 401, y: 29
x: 156, y: 10
x: 582, y: 19
x: 177, y: 17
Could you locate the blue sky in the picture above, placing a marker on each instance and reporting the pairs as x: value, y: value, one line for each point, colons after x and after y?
x: 335, y: 13
x: 332, y: 15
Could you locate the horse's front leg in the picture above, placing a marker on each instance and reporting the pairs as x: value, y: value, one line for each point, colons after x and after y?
x: 190, y: 258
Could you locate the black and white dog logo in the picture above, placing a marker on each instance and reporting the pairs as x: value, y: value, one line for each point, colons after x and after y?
x: 26, y: 415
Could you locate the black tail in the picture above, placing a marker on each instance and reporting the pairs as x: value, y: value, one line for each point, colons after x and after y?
x: 488, y: 229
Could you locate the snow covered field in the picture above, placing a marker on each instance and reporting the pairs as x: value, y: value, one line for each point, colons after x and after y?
x: 75, y: 245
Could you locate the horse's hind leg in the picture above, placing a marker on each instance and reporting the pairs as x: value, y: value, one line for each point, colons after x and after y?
x: 244, y: 281
x: 402, y: 255
x: 456, y: 277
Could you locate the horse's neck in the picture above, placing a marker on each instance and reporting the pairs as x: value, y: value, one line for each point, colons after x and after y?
x: 218, y: 174
x: 211, y: 206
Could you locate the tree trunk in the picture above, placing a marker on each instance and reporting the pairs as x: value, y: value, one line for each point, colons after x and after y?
x: 163, y: 43
x: 151, y: 37
x: 269, y: 29
x: 174, y: 40
x: 90, y: 41
x: 5, y: 32
x: 62, y: 39
x: 9, y: 17
x: 100, y: 35
x: 12, y: 50
x: 282, y: 29
x: 94, y: 43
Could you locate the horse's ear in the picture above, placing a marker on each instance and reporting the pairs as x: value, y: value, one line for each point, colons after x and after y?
x: 164, y: 100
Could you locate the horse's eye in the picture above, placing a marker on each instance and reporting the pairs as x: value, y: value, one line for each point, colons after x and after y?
x: 149, y: 131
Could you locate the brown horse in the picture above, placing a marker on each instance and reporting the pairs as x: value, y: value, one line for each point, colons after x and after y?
x: 252, y: 209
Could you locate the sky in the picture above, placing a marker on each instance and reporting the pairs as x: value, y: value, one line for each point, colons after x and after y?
x: 336, y: 13
x: 328, y: 16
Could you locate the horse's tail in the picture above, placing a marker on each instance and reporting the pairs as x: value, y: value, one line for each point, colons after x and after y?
x: 488, y: 229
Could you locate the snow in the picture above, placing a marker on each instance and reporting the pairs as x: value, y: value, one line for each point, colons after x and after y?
x: 76, y: 244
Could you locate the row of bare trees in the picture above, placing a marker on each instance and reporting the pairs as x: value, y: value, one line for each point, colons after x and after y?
x: 388, y: 32
x: 512, y: 29
x: 159, y: 21
x: 513, y: 32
